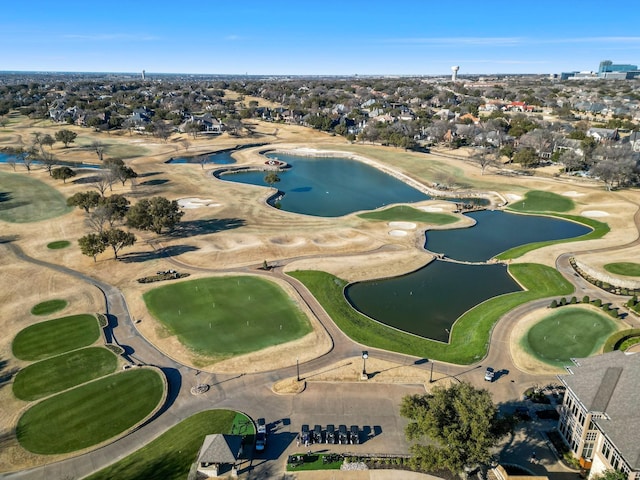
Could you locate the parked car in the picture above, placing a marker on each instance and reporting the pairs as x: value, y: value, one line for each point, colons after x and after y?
x: 317, y: 434
x: 354, y: 435
x: 261, y: 435
x: 489, y: 374
x: 305, y: 436
x: 343, y: 437
x: 330, y: 435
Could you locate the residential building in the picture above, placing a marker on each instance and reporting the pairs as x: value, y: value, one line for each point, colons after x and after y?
x: 599, y: 418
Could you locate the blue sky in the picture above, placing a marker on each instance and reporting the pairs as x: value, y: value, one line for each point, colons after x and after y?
x: 404, y: 37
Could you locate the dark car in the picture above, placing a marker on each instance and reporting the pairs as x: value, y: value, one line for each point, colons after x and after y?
x: 317, y: 434
x: 305, y: 436
x: 343, y: 437
x: 354, y: 435
x: 330, y: 436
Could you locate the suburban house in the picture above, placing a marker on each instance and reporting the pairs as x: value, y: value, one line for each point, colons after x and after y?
x: 603, y: 134
x: 599, y: 417
x: 218, y: 455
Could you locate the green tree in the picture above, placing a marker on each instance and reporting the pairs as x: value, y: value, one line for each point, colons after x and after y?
x: 118, y: 239
x: 154, y: 214
x: 91, y: 245
x: 66, y: 137
x: 461, y: 424
x: 526, y: 157
x: 63, y: 173
x: 271, y: 178
x: 84, y: 200
x: 610, y: 475
x: 119, y: 170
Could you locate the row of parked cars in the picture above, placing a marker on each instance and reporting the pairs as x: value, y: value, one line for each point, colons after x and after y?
x: 330, y: 435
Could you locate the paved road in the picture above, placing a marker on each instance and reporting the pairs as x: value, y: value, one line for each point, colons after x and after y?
x: 366, y: 405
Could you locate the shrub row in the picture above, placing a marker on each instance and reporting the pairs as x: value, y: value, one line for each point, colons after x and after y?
x: 615, y: 340
x: 161, y: 277
x: 603, y: 285
x: 596, y: 302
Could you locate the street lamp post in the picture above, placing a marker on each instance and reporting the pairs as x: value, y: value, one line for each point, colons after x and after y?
x: 297, y: 369
x: 365, y: 355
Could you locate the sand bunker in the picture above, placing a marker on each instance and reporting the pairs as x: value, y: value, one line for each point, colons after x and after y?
x: 595, y: 213
x: 402, y: 225
x: 398, y: 233
x: 431, y: 209
x: 572, y: 194
x: 196, y: 203
x: 512, y: 197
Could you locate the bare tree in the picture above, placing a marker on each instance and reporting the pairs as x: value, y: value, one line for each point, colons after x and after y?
x: 185, y: 144
x: 98, y: 147
x: 484, y: 157
x: 102, y: 182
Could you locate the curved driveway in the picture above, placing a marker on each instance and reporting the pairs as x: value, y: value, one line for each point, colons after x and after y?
x: 251, y: 393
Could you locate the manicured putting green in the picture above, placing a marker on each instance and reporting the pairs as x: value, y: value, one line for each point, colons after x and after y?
x: 53, y: 337
x: 567, y: 333
x: 628, y: 269
x: 58, y: 244
x: 50, y: 306
x: 226, y: 316
x: 539, y: 201
x: 91, y: 413
x: 403, y: 213
x: 26, y: 199
x: 59, y: 373
x: 161, y: 458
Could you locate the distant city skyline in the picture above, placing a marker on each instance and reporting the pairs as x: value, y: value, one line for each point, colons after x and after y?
x: 405, y: 37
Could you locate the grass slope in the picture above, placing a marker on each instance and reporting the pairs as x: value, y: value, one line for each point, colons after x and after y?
x: 64, y: 371
x: 53, y: 337
x: 90, y: 414
x: 628, y: 269
x: 540, y: 201
x: 568, y: 333
x: 409, y: 214
x: 227, y: 316
x: 469, y: 335
x: 25, y: 199
x: 171, y: 454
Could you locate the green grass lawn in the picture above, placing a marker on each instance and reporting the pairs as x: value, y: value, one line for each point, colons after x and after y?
x: 539, y: 201
x: 628, y: 269
x: 313, y: 462
x: 59, y: 373
x: 599, y: 230
x: 24, y: 199
x: 171, y: 454
x: 58, y: 244
x: 403, y: 213
x: 91, y: 413
x: 470, y: 333
x: 225, y: 316
x: 568, y: 332
x: 53, y: 337
x: 50, y: 306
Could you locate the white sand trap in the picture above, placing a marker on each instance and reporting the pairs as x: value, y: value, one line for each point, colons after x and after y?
x: 512, y: 197
x: 431, y: 209
x: 402, y: 225
x: 595, y: 213
x: 398, y: 233
x: 571, y: 193
x: 196, y: 203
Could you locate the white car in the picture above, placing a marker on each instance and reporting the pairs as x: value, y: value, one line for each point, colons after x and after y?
x: 489, y: 374
x: 261, y: 435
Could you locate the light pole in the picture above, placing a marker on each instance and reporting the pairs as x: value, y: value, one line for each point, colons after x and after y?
x: 297, y: 369
x: 365, y: 355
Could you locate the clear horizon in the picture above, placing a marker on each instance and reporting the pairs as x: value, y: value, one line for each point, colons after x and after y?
x: 280, y: 38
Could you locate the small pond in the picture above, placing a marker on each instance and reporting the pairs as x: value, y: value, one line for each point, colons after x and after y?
x: 223, y: 157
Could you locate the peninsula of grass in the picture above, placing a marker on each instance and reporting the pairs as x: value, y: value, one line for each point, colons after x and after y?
x: 58, y: 244
x: 600, y: 229
x: 53, y: 337
x: 470, y: 333
x: 402, y: 213
x: 220, y: 317
x: 540, y: 201
x: 48, y: 307
x: 628, y: 269
x: 25, y: 199
x: 161, y: 458
x: 59, y: 373
x: 91, y: 413
x: 569, y: 332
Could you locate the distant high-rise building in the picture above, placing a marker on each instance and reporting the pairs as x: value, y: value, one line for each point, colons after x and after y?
x: 607, y: 66
x: 454, y: 74
x: 143, y: 74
